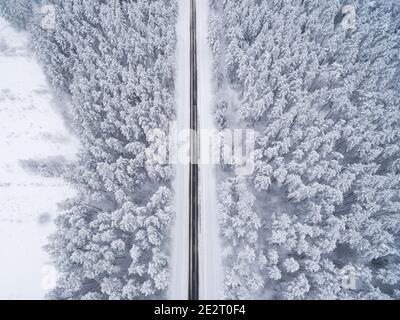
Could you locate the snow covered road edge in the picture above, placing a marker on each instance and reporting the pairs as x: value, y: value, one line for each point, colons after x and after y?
x: 211, y: 274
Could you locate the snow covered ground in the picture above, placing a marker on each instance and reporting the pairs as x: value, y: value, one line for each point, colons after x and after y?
x: 211, y: 275
x: 30, y: 128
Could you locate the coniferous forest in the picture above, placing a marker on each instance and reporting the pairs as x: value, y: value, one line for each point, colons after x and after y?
x: 317, y: 81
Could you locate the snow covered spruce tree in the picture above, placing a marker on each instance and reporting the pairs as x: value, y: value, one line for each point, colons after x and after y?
x: 240, y: 226
x: 17, y: 12
x: 322, y: 219
x: 115, y: 61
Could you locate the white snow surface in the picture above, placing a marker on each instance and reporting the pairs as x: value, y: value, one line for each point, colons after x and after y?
x: 211, y: 274
x: 30, y: 128
x: 180, y: 243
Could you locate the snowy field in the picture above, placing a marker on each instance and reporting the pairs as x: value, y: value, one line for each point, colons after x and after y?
x: 30, y: 128
x: 313, y: 84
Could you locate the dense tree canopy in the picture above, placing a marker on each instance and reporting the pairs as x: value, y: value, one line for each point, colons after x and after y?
x: 115, y: 60
x: 324, y: 102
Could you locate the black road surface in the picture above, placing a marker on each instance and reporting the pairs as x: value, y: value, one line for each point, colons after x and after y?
x: 194, y: 169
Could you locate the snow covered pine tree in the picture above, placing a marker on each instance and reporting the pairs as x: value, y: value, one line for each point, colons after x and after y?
x: 17, y: 12
x: 320, y: 216
x: 115, y: 61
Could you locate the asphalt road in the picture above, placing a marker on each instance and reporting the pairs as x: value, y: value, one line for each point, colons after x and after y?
x: 194, y: 168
